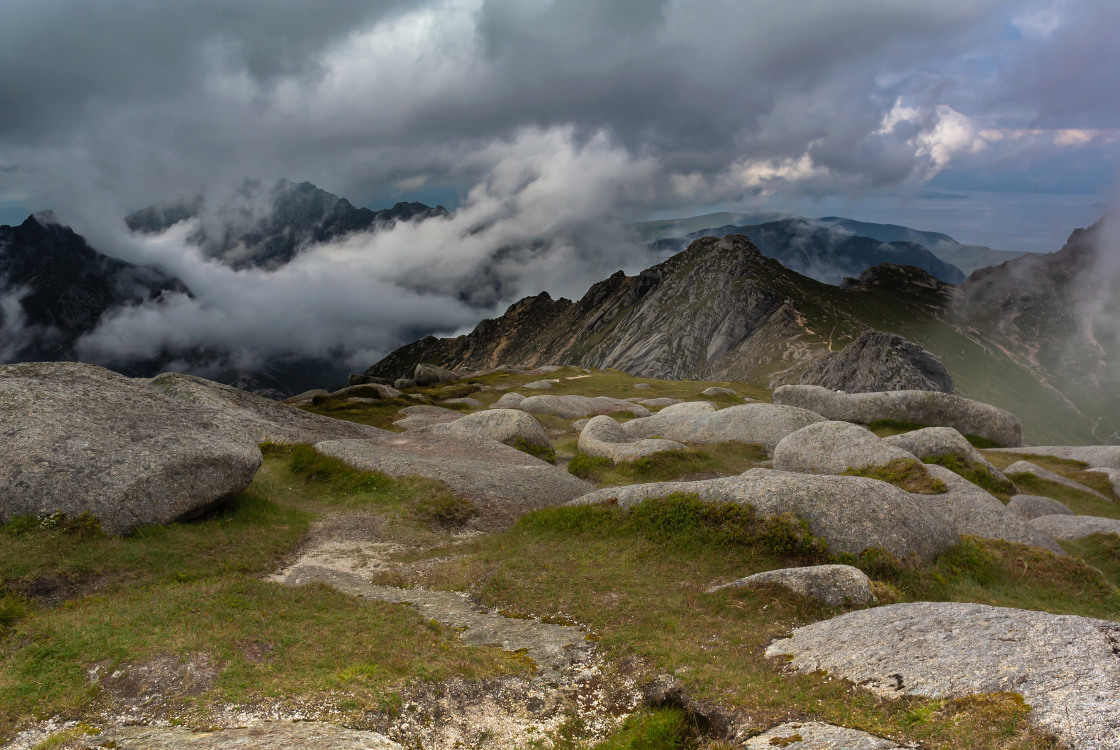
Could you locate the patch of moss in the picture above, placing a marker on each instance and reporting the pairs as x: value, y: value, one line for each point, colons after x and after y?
x: 888, y: 427
x: 544, y: 454
x: 975, y: 473
x: 588, y: 467
x: 981, y: 442
x: 904, y: 473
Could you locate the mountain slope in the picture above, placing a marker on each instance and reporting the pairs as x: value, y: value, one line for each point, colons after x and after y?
x: 267, y: 226
x: 824, y: 253
x: 721, y: 310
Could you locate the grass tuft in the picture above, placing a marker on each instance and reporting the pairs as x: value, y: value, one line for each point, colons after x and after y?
x: 544, y: 454
x: 722, y: 460
x: 976, y: 474
x: 904, y: 473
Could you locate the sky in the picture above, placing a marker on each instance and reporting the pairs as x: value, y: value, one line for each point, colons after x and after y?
x: 548, y: 127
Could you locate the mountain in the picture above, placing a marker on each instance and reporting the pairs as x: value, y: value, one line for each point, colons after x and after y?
x: 824, y: 253
x: 669, y: 228
x: 55, y: 288
x: 1019, y: 335
x: 266, y: 226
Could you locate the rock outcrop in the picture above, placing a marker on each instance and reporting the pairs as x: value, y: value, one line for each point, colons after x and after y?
x: 917, y: 407
x: 508, y: 426
x: 1026, y: 467
x: 572, y: 407
x: 747, y: 423
x: 850, y: 513
x: 603, y: 437
x: 942, y: 441
x: 79, y: 439
x: 1066, y: 668
x: 1071, y: 528
x: 1107, y: 456
x: 432, y: 375
x: 508, y: 401
x: 1029, y: 507
x: 839, y: 447
x: 835, y: 585
x: 877, y: 361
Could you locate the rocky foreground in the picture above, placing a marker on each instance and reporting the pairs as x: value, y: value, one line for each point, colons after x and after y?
x: 550, y: 557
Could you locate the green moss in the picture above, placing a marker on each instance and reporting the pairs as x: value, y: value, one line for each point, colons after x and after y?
x: 981, y: 442
x: 544, y: 454
x: 975, y: 473
x: 589, y: 467
x: 907, y: 474
x: 725, y: 459
x: 888, y: 427
x: 657, y: 729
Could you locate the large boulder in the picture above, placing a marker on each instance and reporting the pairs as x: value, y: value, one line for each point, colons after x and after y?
x: 921, y: 407
x: 508, y: 401
x: 573, y: 407
x: 716, y: 390
x: 688, y: 407
x: 1066, y: 668
x: 1026, y: 467
x: 502, y: 481
x: 942, y: 441
x: 432, y: 375
x: 876, y: 361
x: 968, y: 509
x: 835, y: 585
x: 360, y: 379
x: 1094, y: 455
x: 1030, y: 507
x: 1071, y: 528
x: 508, y: 426
x: 839, y: 447
x: 748, y: 423
x: 77, y: 438
x: 850, y: 513
x: 540, y: 385
x: 259, y: 419
x: 603, y: 437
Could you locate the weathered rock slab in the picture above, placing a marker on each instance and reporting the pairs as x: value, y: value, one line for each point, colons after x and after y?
x: 573, y: 407
x: 836, y: 447
x: 540, y: 385
x: 921, y: 407
x: 503, y: 425
x: 1094, y: 455
x: 1112, y: 474
x: 78, y: 438
x: 278, y: 735
x: 815, y: 735
x: 509, y: 400
x: 1066, y: 668
x: 1072, y: 528
x: 1026, y: 467
x: 942, y: 441
x: 716, y: 390
x: 603, y: 437
x: 746, y: 423
x: 850, y: 513
x: 382, y: 391
x: 835, y: 585
x: 969, y: 509
x: 689, y: 407
x: 1029, y: 507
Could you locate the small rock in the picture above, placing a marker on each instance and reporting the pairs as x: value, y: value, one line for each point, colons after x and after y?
x: 540, y: 385
x: 688, y: 407
x: 837, y: 447
x: 579, y: 424
x: 425, y: 375
x: 602, y: 437
x: 815, y: 735
x: 835, y: 585
x: 655, y: 402
x: 418, y: 397
x: 1029, y: 507
x: 360, y: 400
x: 356, y: 379
x: 509, y: 400
x: 1026, y: 467
x: 404, y: 383
x: 716, y: 390
x: 471, y: 402
x: 641, y: 385
x: 1072, y: 528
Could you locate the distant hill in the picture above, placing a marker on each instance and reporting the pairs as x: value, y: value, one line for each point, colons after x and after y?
x: 669, y: 228
x: 266, y: 226
x: 824, y: 253
x: 1037, y: 336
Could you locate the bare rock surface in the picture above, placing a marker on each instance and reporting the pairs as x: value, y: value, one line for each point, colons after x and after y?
x: 876, y: 361
x: 716, y: 390
x: 1072, y: 528
x: 942, y: 441
x: 1029, y: 507
x: 603, y: 437
x: 850, y: 513
x: 659, y: 402
x: 78, y: 438
x: 383, y: 391
x: 501, y: 480
x: 431, y: 375
x: 1094, y: 455
x: 689, y: 407
x: 746, y: 423
x: 573, y: 407
x: 815, y: 735
x: 834, y: 448
x: 969, y: 509
x: 278, y: 735
x: 509, y: 400
x: 425, y: 415
x: 504, y: 425
x: 1026, y: 467
x: 474, y: 403
x: 1066, y: 668
x: 261, y: 420
x: 835, y: 585
x: 920, y: 407
x: 540, y: 385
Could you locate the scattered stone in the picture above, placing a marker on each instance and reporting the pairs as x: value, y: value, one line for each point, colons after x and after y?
x: 815, y: 735
x: 942, y: 441
x: 921, y: 407
x: 402, y: 384
x: 471, y: 402
x: 382, y: 391
x: 968, y: 509
x: 689, y: 407
x: 1112, y: 474
x: 656, y: 402
x: 572, y: 407
x: 1094, y: 455
x: 278, y: 735
x: 502, y: 481
x: 1026, y: 467
x: 1071, y: 528
x: 508, y: 401
x: 359, y: 400
x: 641, y: 385
x: 356, y: 379
x: 716, y: 390
x: 305, y: 398
x: 418, y: 397
x: 425, y: 375
x: 503, y: 425
x: 850, y: 513
x: 540, y: 385
x: 579, y: 424
x: 875, y: 361
x: 835, y: 585
x: 257, y: 419
x: 1066, y: 668
x: 747, y: 423
x: 603, y: 437
x: 838, y: 447
x: 77, y: 438
x: 1029, y: 507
